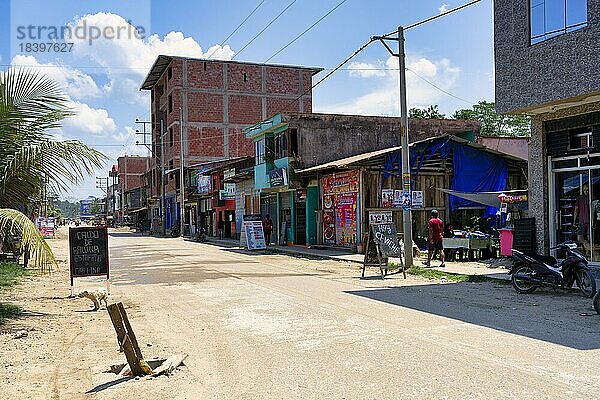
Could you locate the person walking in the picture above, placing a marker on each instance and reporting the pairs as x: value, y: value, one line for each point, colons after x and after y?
x: 267, y: 228
x: 435, y: 228
x: 221, y: 226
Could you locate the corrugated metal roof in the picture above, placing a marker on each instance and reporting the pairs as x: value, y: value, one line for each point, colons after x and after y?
x: 361, y: 159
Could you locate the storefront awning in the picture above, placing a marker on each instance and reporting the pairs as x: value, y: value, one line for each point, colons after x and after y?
x: 348, y: 161
x: 138, y: 210
x: 487, y: 198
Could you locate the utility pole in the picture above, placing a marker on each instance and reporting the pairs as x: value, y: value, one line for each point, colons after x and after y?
x: 181, y: 176
x: 162, y: 177
x: 406, y: 189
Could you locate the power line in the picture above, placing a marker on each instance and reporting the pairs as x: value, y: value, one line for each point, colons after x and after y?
x: 424, y: 21
x: 236, y: 29
x: 361, y: 48
x: 440, y: 89
x: 305, y: 31
x: 264, y: 29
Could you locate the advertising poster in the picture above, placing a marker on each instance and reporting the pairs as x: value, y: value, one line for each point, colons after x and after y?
x: 345, y: 219
x: 344, y: 182
x: 380, y: 217
x: 417, y: 199
x: 328, y: 220
x: 387, y: 198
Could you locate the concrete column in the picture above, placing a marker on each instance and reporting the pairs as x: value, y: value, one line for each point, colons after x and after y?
x: 225, y: 113
x: 538, y: 185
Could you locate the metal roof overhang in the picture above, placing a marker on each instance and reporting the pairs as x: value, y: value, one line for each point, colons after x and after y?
x: 377, y: 157
x: 158, y: 68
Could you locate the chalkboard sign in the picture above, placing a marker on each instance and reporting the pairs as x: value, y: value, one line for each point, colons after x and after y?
x: 386, y: 238
x: 524, y: 235
x: 88, y: 248
x: 381, y: 243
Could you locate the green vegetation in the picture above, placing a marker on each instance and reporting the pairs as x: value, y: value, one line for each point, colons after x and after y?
x: 435, y: 274
x: 492, y: 123
x: 10, y: 275
x: 9, y: 311
x: 32, y: 161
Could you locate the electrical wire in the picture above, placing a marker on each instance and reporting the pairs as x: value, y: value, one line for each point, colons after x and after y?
x: 264, y: 29
x: 440, y: 89
x: 236, y: 29
x: 305, y: 31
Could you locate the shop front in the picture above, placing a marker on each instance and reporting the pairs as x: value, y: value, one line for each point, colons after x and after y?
x: 340, y: 204
x: 575, y: 201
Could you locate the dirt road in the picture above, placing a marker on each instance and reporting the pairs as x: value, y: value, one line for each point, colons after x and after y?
x: 260, y: 326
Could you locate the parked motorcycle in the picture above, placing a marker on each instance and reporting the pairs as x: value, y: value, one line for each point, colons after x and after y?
x: 596, y: 302
x: 201, y: 235
x: 530, y: 271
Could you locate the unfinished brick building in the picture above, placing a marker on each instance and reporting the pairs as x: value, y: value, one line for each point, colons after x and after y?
x: 212, y: 101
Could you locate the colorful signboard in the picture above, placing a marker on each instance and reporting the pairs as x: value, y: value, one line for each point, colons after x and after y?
x: 343, y: 182
x: 203, y: 184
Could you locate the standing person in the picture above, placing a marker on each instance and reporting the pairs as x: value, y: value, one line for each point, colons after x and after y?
x: 267, y: 228
x: 435, y: 233
x: 221, y: 227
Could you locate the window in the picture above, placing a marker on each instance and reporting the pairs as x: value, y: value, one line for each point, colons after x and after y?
x: 170, y: 137
x: 580, y: 139
x: 259, y: 152
x: 169, y: 73
x: 293, y: 142
x: 170, y: 103
x: 281, y: 146
x: 549, y: 18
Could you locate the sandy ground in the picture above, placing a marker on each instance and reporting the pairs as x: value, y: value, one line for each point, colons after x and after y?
x: 259, y: 326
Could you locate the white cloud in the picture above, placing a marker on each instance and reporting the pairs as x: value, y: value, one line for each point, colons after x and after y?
x: 90, y: 120
x: 443, y: 8
x: 366, y: 70
x: 129, y: 58
x: 384, y: 99
x: 77, y: 84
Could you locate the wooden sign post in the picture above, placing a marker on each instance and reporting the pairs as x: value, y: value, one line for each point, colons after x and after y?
x: 382, y: 243
x: 88, y: 250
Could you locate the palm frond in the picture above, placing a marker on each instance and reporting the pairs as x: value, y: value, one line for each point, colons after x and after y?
x: 13, y: 222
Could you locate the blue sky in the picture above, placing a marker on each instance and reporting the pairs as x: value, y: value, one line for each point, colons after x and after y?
x: 454, y: 53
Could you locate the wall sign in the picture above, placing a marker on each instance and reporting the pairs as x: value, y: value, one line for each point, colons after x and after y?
x: 278, y: 177
x: 378, y: 217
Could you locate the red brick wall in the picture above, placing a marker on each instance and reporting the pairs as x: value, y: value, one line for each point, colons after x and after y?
x: 206, y: 142
x: 211, y: 77
x: 253, y: 75
x: 283, y: 80
x: 245, y: 109
x: 205, y: 107
x: 238, y: 144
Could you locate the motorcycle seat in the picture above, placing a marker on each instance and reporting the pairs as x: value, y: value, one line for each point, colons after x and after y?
x: 545, y: 259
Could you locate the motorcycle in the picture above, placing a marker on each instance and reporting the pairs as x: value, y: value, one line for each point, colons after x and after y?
x: 530, y: 271
x: 201, y: 235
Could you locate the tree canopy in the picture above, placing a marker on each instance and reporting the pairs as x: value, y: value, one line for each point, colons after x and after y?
x: 31, y: 105
x: 494, y: 124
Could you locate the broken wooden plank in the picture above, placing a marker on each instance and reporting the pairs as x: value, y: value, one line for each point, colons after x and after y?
x: 127, y: 341
x: 170, y: 364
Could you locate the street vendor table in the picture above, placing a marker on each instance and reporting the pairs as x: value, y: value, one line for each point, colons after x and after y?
x: 470, y: 245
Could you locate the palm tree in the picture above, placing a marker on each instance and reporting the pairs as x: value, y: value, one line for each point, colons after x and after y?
x: 31, y: 106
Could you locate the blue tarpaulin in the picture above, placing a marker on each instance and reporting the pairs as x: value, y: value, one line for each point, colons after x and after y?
x: 476, y: 171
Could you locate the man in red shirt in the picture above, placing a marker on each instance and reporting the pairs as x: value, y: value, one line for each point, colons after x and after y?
x: 435, y: 227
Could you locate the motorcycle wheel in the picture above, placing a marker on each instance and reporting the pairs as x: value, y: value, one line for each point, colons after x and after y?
x: 586, y: 283
x: 596, y: 302
x: 523, y: 285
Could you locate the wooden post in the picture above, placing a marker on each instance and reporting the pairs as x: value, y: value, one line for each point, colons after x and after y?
x: 127, y: 341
